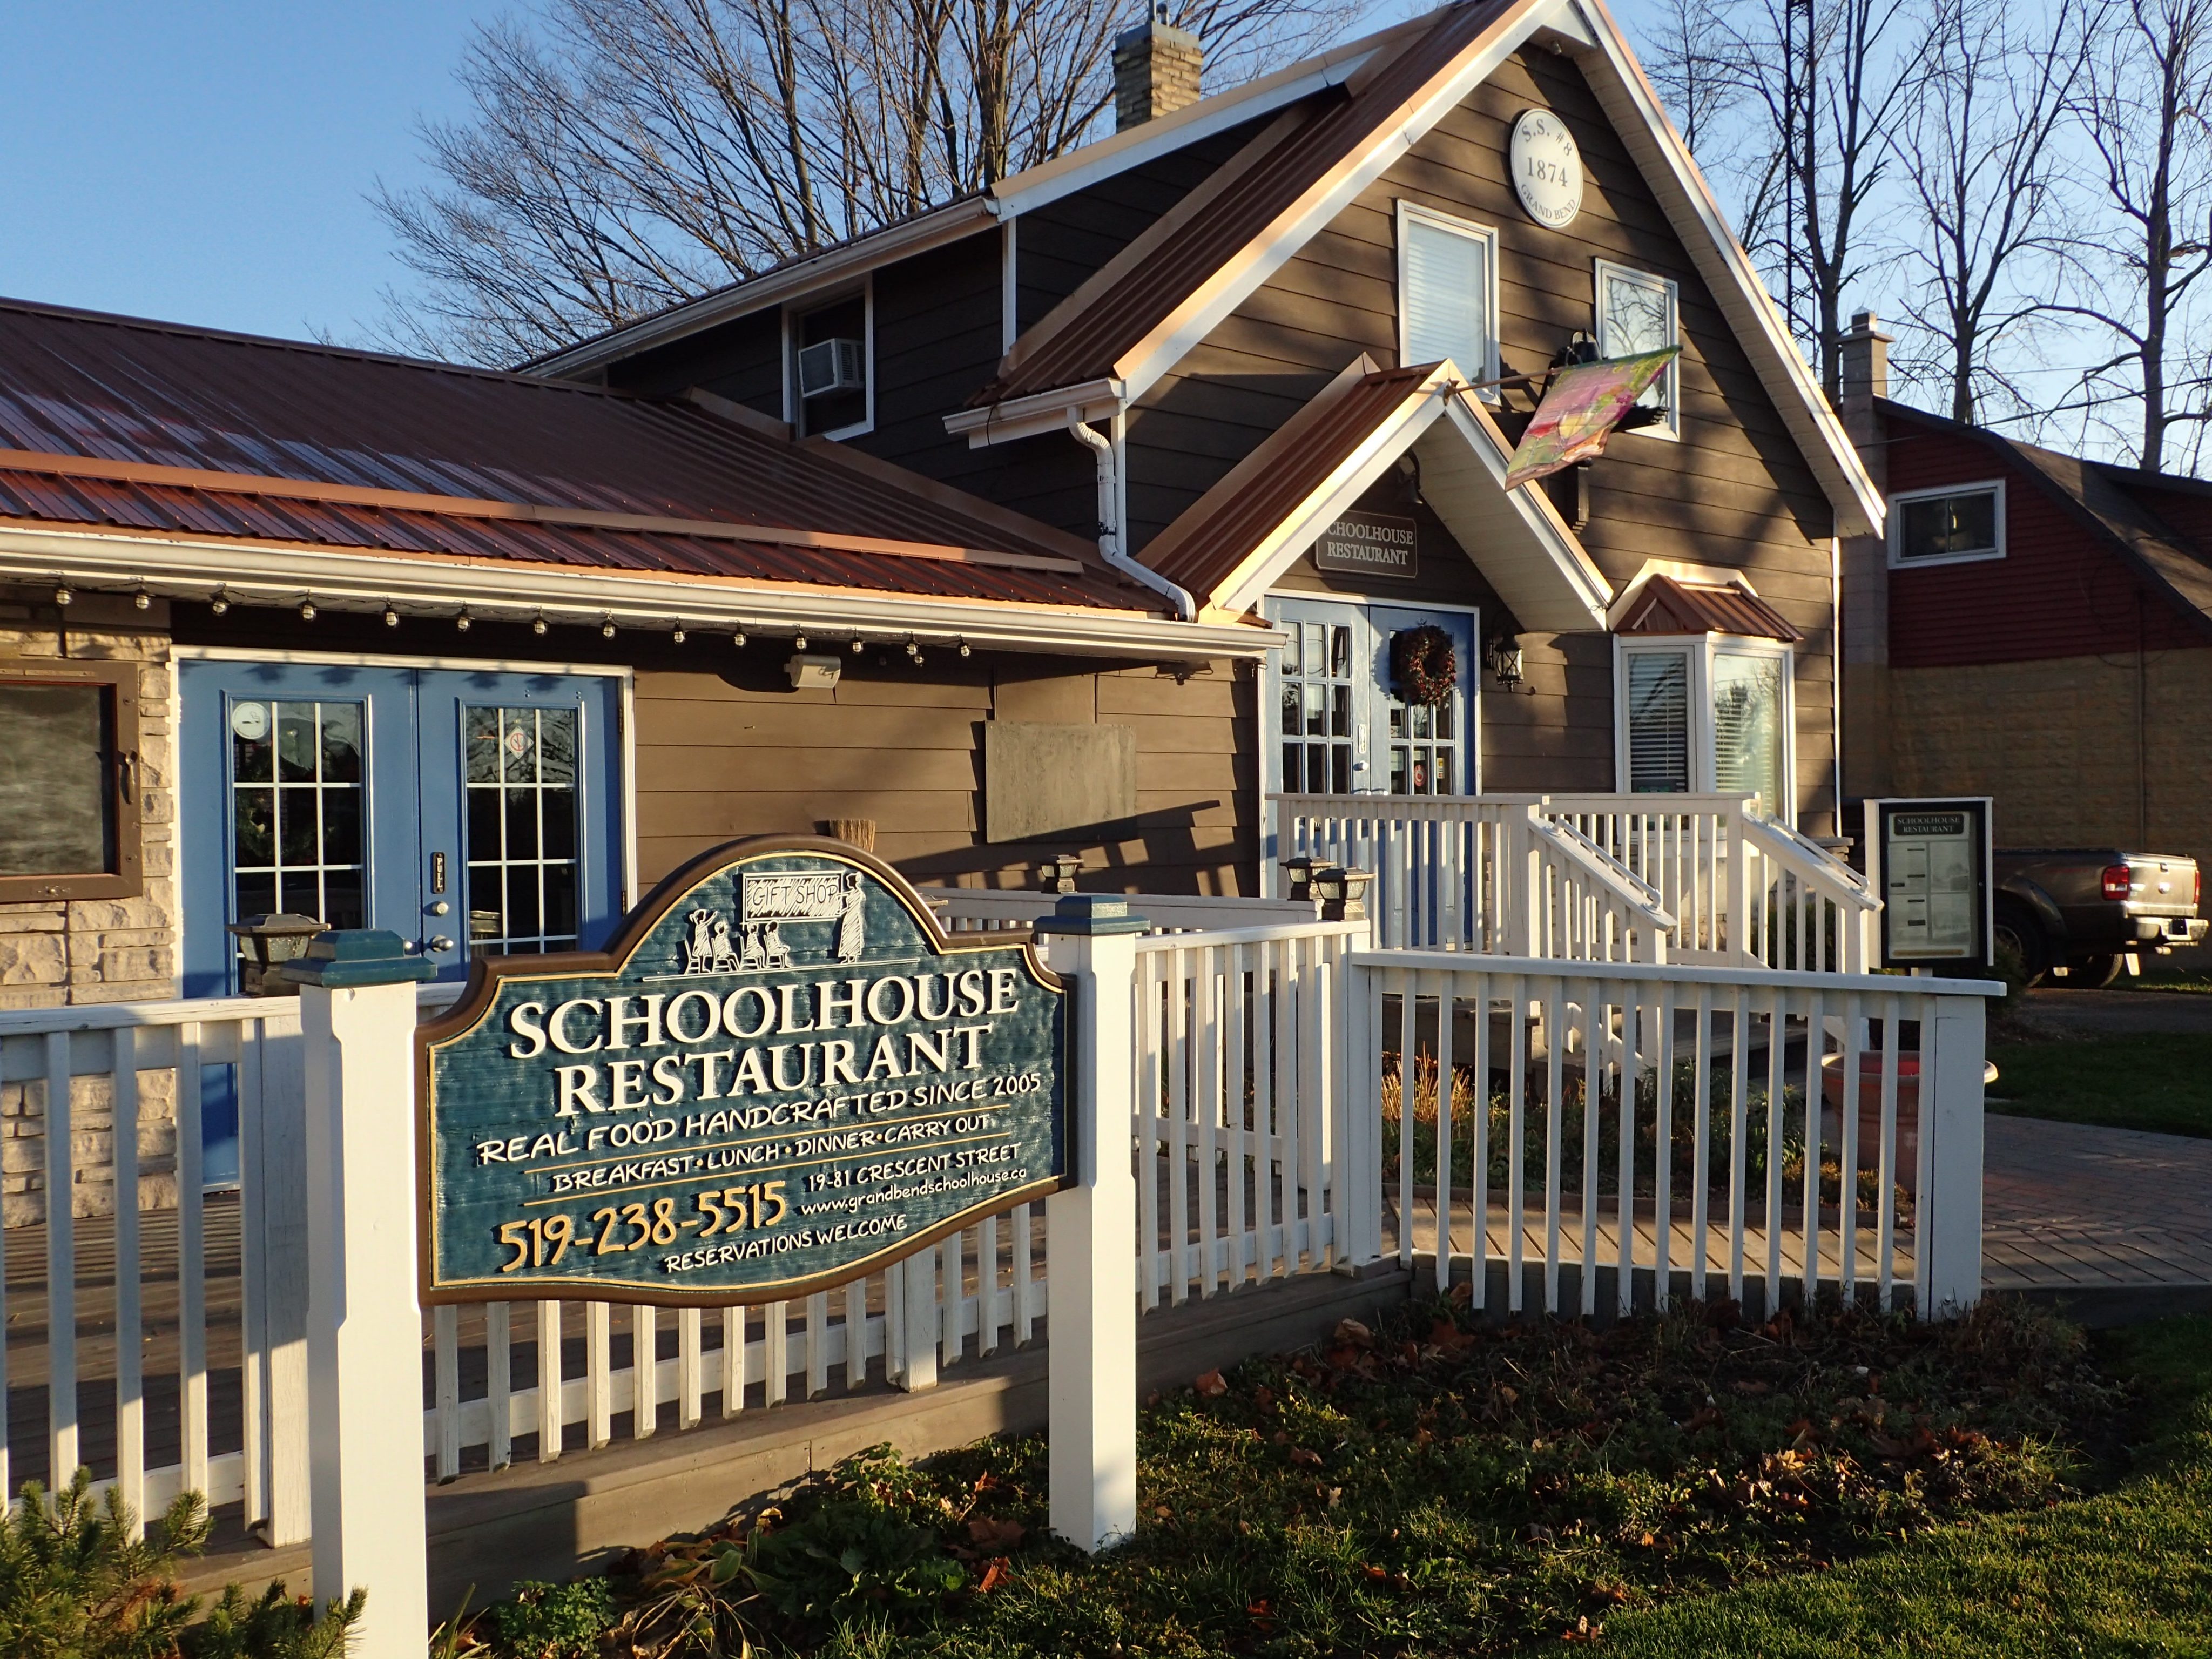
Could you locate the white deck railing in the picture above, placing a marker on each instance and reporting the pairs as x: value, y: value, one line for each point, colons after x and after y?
x: 1649, y: 1117
x: 974, y: 910
x: 1684, y: 877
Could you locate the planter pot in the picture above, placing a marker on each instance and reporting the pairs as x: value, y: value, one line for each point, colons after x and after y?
x: 1869, y: 1111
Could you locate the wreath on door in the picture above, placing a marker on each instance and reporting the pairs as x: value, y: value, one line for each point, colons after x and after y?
x: 1425, y: 665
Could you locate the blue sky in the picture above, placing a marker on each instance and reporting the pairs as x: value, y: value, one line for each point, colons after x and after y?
x: 208, y: 163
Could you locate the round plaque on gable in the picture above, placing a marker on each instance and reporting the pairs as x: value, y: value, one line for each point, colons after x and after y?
x: 1548, y: 168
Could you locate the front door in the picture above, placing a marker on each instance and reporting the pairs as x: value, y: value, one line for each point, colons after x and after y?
x: 1340, y: 722
x: 468, y: 811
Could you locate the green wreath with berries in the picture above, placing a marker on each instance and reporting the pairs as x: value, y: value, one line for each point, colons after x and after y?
x: 1425, y: 665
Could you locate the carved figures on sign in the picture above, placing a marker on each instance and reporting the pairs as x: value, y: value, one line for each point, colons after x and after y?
x: 768, y: 901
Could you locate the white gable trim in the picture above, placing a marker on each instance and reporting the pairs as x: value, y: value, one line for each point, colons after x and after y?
x: 1632, y: 105
x: 1209, y: 304
x: 1549, y: 582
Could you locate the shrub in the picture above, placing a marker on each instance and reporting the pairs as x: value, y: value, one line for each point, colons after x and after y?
x: 552, y: 1622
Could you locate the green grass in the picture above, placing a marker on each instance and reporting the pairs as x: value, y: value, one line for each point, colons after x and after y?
x: 2157, y: 1081
x: 1434, y: 1489
x: 2128, y: 1572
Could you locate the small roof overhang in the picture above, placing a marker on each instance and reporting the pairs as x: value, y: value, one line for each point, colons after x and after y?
x: 1231, y: 545
x: 1664, y: 603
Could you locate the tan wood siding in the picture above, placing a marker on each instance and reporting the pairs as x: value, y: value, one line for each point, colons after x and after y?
x: 722, y: 756
x: 1733, y: 491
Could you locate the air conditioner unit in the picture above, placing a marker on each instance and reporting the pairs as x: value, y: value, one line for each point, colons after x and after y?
x: 830, y: 366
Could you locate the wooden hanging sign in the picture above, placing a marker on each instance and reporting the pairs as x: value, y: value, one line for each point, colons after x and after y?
x: 781, y: 1075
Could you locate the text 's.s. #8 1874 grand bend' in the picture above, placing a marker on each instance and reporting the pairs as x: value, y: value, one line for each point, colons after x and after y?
x: 781, y: 1075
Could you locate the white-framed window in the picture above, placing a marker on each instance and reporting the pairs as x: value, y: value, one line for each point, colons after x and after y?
x: 1448, y: 292
x: 1638, y: 312
x: 1707, y: 714
x: 829, y: 365
x: 1954, y: 524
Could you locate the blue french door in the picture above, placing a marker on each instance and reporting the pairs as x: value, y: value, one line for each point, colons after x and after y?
x: 470, y: 812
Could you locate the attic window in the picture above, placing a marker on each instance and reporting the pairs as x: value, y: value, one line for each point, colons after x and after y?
x: 1949, y: 525
x: 1447, y: 293
x: 1638, y: 312
x: 832, y: 375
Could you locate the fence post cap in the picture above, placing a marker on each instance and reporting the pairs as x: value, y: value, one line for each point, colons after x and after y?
x: 350, y: 956
x: 1092, y: 913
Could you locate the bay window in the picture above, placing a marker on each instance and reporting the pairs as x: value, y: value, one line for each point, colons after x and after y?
x: 1704, y: 714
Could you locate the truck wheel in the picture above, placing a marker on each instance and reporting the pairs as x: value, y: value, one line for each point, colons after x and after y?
x: 2017, y: 932
x: 2094, y: 972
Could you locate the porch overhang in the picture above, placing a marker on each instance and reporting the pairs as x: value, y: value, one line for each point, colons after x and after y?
x: 1235, y: 542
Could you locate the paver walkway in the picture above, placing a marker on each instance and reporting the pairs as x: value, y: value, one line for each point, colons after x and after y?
x: 2116, y: 1012
x: 2070, y: 1205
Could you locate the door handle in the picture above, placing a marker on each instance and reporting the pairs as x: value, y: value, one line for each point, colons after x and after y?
x: 437, y: 942
x: 436, y: 907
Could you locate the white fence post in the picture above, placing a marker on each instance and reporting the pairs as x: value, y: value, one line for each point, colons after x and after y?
x: 364, y: 1325
x: 1949, y: 1271
x: 1090, y: 1265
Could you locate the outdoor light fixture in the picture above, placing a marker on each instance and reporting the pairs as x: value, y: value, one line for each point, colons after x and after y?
x: 858, y: 645
x: 63, y: 596
x: 798, y: 641
x: 462, y: 621
x: 607, y: 628
x: 676, y: 634
x: 738, y: 639
x: 1505, y: 660
x: 306, y: 610
x: 390, y: 617
x: 912, y: 649
x: 221, y: 602
x: 964, y: 650
x: 538, y: 624
x: 142, y: 600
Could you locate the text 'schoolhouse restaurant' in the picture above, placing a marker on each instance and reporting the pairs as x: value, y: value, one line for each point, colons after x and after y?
x: 1065, y: 524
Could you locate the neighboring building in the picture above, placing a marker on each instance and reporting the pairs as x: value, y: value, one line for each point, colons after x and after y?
x: 2034, y: 627
x: 1078, y: 515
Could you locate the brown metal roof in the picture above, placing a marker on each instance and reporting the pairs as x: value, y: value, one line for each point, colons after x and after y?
x: 432, y: 451
x: 1204, y: 547
x: 1084, y: 338
x: 1667, y: 605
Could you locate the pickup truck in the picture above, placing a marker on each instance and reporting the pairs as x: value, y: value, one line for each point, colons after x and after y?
x: 2080, y: 913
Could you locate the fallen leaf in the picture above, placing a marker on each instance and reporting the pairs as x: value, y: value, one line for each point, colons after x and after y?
x: 999, y: 1572
x: 1351, y: 1333
x: 1704, y: 1418
x: 998, y: 1536
x: 1306, y: 1455
x: 1750, y: 1387
x: 1212, y: 1386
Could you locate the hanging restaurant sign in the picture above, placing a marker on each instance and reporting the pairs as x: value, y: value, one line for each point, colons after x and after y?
x: 781, y: 1074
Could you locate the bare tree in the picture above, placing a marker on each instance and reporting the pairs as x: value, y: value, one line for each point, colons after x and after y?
x: 625, y: 155
x: 1977, y: 150
x: 1798, y: 99
x: 2143, y: 113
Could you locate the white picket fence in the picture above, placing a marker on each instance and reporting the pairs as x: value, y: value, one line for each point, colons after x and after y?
x: 1602, y: 877
x: 1257, y: 1130
x: 982, y: 909
x: 1625, y: 1175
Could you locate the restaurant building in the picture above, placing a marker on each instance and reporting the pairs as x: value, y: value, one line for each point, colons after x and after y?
x: 1079, y: 516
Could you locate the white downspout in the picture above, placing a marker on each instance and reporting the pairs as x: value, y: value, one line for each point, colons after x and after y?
x: 1109, y: 522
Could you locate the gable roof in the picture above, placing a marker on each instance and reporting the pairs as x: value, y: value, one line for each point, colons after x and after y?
x: 129, y: 437
x: 2102, y: 499
x: 1673, y: 605
x: 1127, y: 325
x: 1229, y: 546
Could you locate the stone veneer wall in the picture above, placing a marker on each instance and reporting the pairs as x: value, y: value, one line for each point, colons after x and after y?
x: 64, y: 953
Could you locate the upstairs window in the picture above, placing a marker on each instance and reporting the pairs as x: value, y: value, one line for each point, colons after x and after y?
x: 1638, y: 312
x: 69, y: 786
x: 1447, y: 293
x: 1949, y: 525
x: 832, y: 368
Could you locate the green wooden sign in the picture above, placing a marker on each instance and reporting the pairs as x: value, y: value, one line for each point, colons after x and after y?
x: 781, y: 1075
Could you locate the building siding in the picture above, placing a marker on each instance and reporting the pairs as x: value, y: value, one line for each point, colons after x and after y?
x: 1735, y: 491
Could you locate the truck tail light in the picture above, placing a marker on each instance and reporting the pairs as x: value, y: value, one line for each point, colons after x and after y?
x: 2120, y: 882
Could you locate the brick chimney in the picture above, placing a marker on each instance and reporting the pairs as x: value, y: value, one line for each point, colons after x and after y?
x: 1156, y: 68
x: 1865, y: 363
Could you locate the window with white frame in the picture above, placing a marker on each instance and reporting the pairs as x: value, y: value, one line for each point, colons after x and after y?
x: 829, y: 376
x: 1638, y: 312
x: 1447, y: 293
x: 1709, y: 714
x: 1949, y: 525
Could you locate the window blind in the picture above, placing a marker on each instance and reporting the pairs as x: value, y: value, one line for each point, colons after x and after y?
x: 1447, y: 298
x: 1747, y: 727
x: 1659, y: 722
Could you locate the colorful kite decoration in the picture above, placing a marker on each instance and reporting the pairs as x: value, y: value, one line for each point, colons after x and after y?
x: 1585, y: 402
